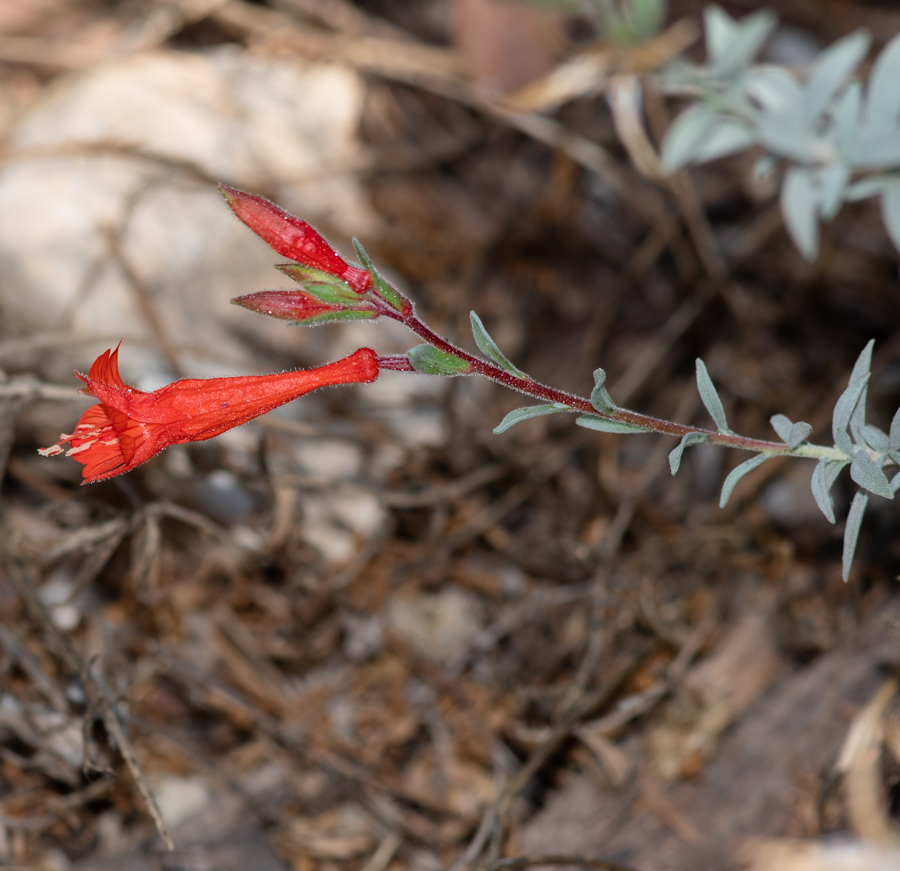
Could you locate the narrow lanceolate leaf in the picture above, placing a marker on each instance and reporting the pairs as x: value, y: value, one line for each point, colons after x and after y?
x: 833, y: 67
x: 600, y: 398
x: 843, y: 412
x: 851, y: 530
x: 895, y: 432
x: 883, y: 104
x: 860, y: 373
x: 866, y: 473
x: 800, y: 207
x: 430, y: 361
x: 528, y: 411
x: 685, y: 137
x: 604, y: 424
x: 489, y: 347
x: 710, y: 397
x: 876, y: 438
x: 823, y: 478
x: 782, y: 425
x: 691, y: 438
x: 895, y: 482
x: 890, y: 212
x: 737, y: 473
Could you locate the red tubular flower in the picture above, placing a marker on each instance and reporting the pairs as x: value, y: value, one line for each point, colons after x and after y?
x: 129, y: 426
x: 293, y: 238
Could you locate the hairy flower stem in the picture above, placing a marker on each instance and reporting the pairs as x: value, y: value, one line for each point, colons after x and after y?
x: 540, y: 391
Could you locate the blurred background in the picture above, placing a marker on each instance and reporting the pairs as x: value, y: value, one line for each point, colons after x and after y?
x: 363, y: 632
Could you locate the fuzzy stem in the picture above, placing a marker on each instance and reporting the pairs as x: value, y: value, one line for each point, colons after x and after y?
x: 540, y: 391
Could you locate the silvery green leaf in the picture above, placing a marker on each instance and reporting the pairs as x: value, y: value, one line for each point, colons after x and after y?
x: 603, y: 424
x: 720, y: 29
x: 864, y: 471
x: 726, y: 136
x: 737, y: 473
x: 743, y: 43
x: 895, y: 482
x: 870, y: 187
x: 685, y: 136
x: 528, y: 411
x: 876, y: 151
x: 823, y: 478
x: 890, y: 211
x: 785, y: 135
x: 833, y: 67
x: 691, y: 438
x: 845, y: 116
x: 799, y: 433
x: 832, y: 184
x: 843, y: 412
x: 851, y: 530
x: 860, y: 374
x: 894, y: 435
x: 883, y: 104
x: 876, y: 438
x: 773, y: 88
x: 600, y: 398
x: 489, y: 347
x: 782, y: 425
x: 800, y: 205
x: 711, y: 398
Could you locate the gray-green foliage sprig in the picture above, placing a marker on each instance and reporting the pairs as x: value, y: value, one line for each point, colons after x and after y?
x: 837, y: 141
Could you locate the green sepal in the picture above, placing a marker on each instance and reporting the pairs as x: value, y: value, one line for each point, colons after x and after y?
x: 431, y: 361
x: 604, y: 424
x: 334, y: 317
x: 389, y: 294
x: 309, y: 277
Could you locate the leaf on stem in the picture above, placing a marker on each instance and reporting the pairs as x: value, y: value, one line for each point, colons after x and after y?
x: 691, y: 438
x: 489, y: 348
x: 792, y: 434
x: 737, y: 473
x: 604, y: 424
x: 528, y: 411
x: 823, y: 478
x: 600, y: 398
x: 894, y: 436
x: 847, y: 408
x: 876, y: 438
x: 710, y: 398
x: 851, y: 530
x: 865, y: 472
x: 428, y: 360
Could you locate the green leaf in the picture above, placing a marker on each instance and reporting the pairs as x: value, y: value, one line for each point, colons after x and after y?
x: 430, y: 361
x: 711, y: 398
x: 721, y: 30
x: 685, y: 136
x: 600, y: 398
x: 773, y: 88
x: 845, y: 112
x: 785, y: 135
x: 726, y: 136
x: 733, y: 45
x: 851, y: 530
x: 833, y: 67
x: 823, y: 478
x: 833, y: 181
x: 860, y: 374
x: 895, y: 482
x: 890, y: 211
x: 894, y: 436
x: 737, y: 473
x: 870, y: 187
x: 865, y: 472
x: 800, y: 205
x: 845, y: 411
x: 528, y: 411
x: 876, y: 438
x: 386, y: 291
x: 792, y: 434
x: 691, y: 438
x: 489, y: 347
x: 604, y: 424
x: 883, y: 104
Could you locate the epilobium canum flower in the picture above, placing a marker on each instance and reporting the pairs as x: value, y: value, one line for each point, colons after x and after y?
x: 129, y: 426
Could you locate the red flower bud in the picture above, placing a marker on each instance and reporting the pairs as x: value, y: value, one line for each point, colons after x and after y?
x: 293, y: 238
x: 301, y: 306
